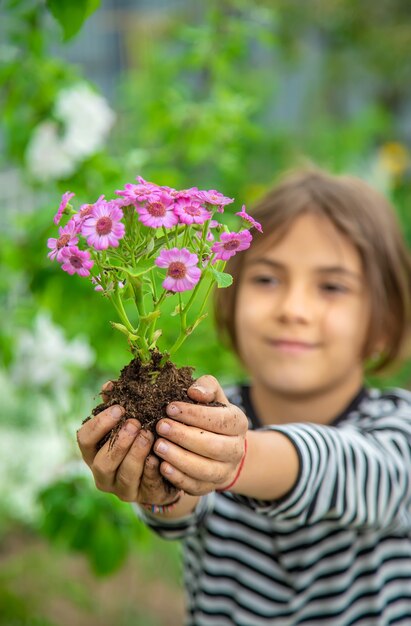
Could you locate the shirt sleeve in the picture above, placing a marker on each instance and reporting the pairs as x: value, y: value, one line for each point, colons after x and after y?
x: 358, y: 476
x: 181, y: 527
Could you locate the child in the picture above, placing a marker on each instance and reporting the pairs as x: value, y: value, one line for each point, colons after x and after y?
x: 299, y: 513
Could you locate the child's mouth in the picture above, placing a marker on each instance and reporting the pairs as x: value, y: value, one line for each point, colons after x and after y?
x: 293, y: 346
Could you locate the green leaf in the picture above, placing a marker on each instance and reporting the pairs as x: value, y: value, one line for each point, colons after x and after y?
x: 142, y: 268
x: 78, y: 517
x: 121, y: 328
x: 71, y: 15
x: 223, y: 279
x: 108, y: 546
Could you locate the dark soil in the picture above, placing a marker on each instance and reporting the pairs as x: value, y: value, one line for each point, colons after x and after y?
x: 144, y: 390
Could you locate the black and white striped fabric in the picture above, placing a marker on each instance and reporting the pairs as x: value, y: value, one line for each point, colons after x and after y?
x: 335, y: 551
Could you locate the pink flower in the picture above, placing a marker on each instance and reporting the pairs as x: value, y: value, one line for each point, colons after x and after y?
x: 230, y: 244
x: 182, y: 271
x: 214, y: 197
x: 75, y: 261
x: 136, y: 193
x: 158, y: 211
x: 249, y: 219
x: 169, y: 190
x: 212, y: 224
x: 142, y: 181
x: 191, y: 212
x: 103, y: 228
x: 68, y: 237
x: 85, y: 212
x: 66, y: 197
x: 185, y: 194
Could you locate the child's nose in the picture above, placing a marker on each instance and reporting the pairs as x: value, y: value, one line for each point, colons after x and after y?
x: 295, y: 304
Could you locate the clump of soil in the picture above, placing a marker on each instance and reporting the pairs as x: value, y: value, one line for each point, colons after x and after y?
x: 144, y: 390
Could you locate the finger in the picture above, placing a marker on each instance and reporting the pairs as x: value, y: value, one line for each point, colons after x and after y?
x: 206, y: 389
x: 201, y: 441
x: 105, y: 389
x: 181, y: 481
x: 228, y: 420
x: 108, y: 459
x: 193, y: 465
x: 95, y: 429
x: 130, y: 471
x: 152, y: 488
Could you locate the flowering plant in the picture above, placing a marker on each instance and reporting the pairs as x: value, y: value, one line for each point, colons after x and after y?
x: 151, y: 243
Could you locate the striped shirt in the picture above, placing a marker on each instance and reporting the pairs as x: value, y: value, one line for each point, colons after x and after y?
x: 336, y: 550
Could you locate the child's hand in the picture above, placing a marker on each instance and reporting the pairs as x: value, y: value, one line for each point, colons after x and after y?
x: 202, y: 446
x: 127, y: 469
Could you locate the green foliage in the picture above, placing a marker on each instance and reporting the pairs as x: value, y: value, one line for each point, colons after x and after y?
x: 29, y: 77
x: 78, y: 517
x: 71, y: 15
x: 197, y: 112
x: 16, y: 611
x: 196, y: 120
x: 223, y: 279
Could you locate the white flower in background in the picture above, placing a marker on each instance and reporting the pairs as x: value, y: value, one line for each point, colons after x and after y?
x: 33, y: 454
x: 41, y: 409
x: 86, y: 119
x: 28, y: 461
x: 46, y: 156
x: 44, y: 357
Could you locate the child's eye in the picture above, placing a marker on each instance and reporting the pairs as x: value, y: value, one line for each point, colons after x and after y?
x: 333, y: 288
x: 264, y: 280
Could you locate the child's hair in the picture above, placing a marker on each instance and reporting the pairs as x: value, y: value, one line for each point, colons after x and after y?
x: 368, y: 220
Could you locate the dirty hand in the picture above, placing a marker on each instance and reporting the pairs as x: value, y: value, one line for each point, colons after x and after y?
x: 202, y: 447
x: 126, y: 469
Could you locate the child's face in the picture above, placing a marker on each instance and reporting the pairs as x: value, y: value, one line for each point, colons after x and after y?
x: 303, y: 310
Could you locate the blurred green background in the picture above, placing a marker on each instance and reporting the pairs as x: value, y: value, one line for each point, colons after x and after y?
x: 223, y: 94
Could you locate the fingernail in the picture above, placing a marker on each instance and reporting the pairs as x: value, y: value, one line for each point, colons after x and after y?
x: 199, y: 388
x: 116, y: 411
x: 164, y: 428
x: 172, y: 409
x: 161, y: 447
x: 142, y: 440
x: 131, y: 428
x: 169, y: 470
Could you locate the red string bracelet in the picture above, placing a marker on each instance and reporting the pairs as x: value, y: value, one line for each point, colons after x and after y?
x: 237, y: 476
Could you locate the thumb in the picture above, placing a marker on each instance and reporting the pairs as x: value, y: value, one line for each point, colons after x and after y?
x: 207, y: 389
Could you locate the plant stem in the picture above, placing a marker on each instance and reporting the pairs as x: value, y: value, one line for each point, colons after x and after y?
x: 118, y: 305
